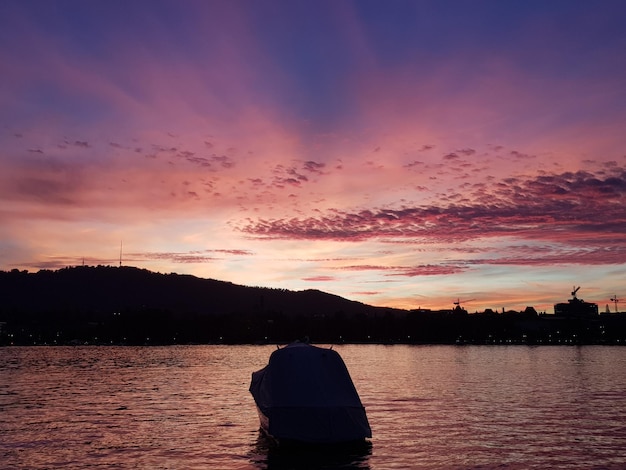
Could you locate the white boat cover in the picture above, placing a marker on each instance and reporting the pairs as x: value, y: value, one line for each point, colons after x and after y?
x: 305, y: 394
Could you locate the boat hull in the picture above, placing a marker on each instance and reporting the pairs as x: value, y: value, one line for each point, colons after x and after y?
x: 332, y: 425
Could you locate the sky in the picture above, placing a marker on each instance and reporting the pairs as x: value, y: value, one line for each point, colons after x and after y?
x: 399, y: 153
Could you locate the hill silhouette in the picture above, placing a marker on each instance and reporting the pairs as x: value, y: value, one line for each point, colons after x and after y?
x: 86, y: 302
x: 108, y: 289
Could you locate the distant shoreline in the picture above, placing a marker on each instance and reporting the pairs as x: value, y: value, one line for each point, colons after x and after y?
x: 129, y: 306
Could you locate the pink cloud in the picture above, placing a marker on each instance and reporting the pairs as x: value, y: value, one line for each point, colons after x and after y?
x: 557, y: 207
x: 319, y: 279
x: 410, y: 271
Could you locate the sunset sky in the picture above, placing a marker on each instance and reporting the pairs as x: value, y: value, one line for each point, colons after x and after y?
x: 398, y: 153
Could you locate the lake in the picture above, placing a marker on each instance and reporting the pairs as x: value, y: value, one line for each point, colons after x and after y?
x: 186, y: 407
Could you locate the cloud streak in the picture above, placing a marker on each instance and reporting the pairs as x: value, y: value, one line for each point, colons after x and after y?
x: 555, y: 207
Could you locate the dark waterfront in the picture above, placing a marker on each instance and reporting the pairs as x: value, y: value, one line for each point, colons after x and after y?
x: 130, y: 306
x: 429, y: 407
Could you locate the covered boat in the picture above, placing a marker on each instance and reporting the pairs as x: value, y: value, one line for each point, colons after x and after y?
x: 305, y: 394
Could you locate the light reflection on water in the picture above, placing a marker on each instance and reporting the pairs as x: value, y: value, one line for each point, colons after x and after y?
x: 428, y: 406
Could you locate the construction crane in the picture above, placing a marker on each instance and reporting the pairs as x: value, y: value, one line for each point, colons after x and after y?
x: 615, y: 300
x: 574, y: 291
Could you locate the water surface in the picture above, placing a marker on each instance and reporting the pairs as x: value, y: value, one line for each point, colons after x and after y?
x: 183, y: 407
